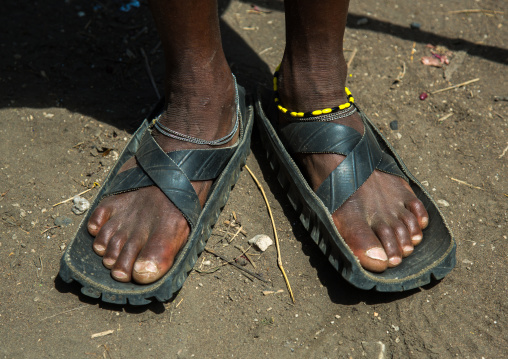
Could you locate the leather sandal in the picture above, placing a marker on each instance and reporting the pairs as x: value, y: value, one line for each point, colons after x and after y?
x: 434, y: 257
x: 172, y: 173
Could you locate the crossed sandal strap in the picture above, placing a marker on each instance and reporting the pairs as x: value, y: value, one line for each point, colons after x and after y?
x: 363, y: 156
x: 173, y: 172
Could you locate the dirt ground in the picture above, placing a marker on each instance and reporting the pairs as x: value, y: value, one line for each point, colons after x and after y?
x: 74, y: 85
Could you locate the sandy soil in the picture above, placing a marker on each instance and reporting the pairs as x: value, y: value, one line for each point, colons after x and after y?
x: 74, y: 86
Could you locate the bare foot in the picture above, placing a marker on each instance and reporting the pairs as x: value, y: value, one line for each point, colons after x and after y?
x: 139, y: 233
x: 383, y: 220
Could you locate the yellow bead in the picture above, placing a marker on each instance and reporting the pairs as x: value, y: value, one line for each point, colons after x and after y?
x: 276, y: 99
x: 352, y: 100
x: 280, y: 107
x: 277, y: 68
x: 317, y: 113
x: 300, y: 114
x: 348, y: 92
x: 327, y: 110
x: 343, y: 106
x: 284, y: 110
x: 294, y: 114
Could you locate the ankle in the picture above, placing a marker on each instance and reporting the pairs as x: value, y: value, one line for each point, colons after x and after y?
x: 200, y: 104
x: 307, y: 83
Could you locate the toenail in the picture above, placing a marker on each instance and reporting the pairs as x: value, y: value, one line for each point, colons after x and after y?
x: 99, y: 248
x: 377, y: 253
x: 145, y: 267
x: 425, y: 221
x: 119, y: 274
x: 417, y: 238
x: 92, y: 227
x: 108, y: 261
x: 407, y: 250
x: 395, y: 260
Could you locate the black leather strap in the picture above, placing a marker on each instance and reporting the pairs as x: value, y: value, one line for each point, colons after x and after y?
x: 363, y: 156
x: 173, y: 172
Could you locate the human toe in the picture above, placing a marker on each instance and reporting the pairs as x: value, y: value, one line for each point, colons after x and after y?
x: 97, y: 220
x: 417, y: 208
x: 102, y: 239
x: 388, y: 239
x: 413, y: 227
x: 367, y: 248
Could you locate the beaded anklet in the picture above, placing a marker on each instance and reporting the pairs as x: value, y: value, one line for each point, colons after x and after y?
x: 315, y: 113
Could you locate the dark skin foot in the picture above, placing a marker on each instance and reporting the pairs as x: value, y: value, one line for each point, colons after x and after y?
x: 383, y: 220
x: 139, y: 233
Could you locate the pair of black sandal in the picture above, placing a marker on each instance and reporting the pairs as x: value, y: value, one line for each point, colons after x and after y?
x: 172, y: 172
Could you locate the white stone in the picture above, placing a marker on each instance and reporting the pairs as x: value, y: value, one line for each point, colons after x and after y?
x: 81, y: 205
x: 443, y: 203
x: 261, y: 241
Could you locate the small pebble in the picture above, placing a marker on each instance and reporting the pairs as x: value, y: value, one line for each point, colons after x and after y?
x: 362, y: 21
x: 415, y: 25
x: 81, y: 205
x: 423, y: 96
x: 394, y: 125
x: 207, y: 263
x: 241, y: 261
x: 62, y: 221
x: 443, y: 203
x: 261, y: 241
x: 81, y: 14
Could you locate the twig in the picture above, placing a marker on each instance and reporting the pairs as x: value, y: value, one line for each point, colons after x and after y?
x: 349, y: 63
x: 234, y: 235
x: 445, y: 117
x: 244, y: 252
x: 465, y: 183
x: 65, y: 311
x: 42, y: 267
x: 95, y: 184
x: 279, y: 259
x: 265, y: 50
x: 149, y: 71
x: 228, y: 223
x: 257, y: 276
x: 107, y: 351
x: 454, y: 86
x: 50, y: 228
x: 102, y: 334
x: 180, y: 302
x: 215, y: 269
x: 504, y: 151
x: 473, y: 11
x: 498, y: 114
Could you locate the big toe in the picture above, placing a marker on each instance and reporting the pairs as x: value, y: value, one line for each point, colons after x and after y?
x: 369, y: 251
x: 147, y: 271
